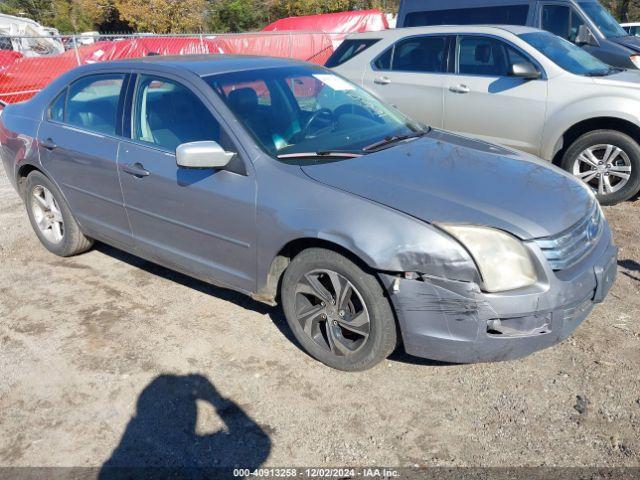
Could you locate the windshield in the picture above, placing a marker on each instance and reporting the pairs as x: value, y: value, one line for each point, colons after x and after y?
x: 566, y: 55
x: 300, y: 109
x: 603, y: 19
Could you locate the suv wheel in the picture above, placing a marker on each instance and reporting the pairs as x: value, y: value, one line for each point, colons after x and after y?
x: 608, y: 161
x: 51, y: 218
x: 338, y: 313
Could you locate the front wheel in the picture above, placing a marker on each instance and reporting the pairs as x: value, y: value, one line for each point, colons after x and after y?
x: 337, y: 312
x: 608, y: 161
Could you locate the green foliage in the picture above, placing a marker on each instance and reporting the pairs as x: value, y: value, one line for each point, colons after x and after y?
x: 38, y: 10
x: 237, y: 15
x: 71, y: 16
x: 624, y: 10
x: 291, y: 8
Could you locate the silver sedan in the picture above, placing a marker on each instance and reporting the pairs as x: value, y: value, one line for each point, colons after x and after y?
x: 285, y: 181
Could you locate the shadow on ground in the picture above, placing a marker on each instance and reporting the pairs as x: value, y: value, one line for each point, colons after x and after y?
x: 630, y: 266
x: 161, y: 440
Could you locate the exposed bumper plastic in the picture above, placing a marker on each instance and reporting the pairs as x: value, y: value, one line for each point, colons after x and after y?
x: 455, y: 322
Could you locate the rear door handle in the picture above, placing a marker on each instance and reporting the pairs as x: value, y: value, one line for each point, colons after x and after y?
x: 136, y: 169
x: 460, y: 89
x: 382, y: 81
x: 49, y: 144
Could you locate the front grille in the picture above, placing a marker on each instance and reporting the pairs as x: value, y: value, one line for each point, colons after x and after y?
x: 567, y: 248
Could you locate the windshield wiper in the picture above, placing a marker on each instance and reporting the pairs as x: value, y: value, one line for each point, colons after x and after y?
x: 605, y: 73
x: 393, y: 139
x: 328, y: 154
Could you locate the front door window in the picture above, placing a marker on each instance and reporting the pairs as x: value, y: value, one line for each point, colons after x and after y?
x: 167, y: 114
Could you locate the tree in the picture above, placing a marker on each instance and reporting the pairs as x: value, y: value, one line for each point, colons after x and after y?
x: 39, y: 10
x: 80, y: 15
x: 292, y: 8
x: 238, y: 15
x: 163, y: 16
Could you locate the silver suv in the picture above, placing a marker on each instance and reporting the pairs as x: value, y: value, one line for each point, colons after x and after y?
x: 518, y: 86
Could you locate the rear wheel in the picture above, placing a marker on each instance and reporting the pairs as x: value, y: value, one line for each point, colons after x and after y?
x: 608, y: 161
x: 337, y: 312
x: 51, y: 218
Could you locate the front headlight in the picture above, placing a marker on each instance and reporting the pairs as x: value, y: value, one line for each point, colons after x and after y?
x: 635, y: 59
x: 502, y: 259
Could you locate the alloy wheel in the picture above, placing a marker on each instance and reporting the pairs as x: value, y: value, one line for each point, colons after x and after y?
x: 605, y: 168
x: 47, y: 214
x: 331, y: 312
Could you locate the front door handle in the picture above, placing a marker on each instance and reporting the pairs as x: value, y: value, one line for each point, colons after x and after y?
x: 382, y: 81
x: 136, y: 169
x: 460, y: 89
x: 49, y: 144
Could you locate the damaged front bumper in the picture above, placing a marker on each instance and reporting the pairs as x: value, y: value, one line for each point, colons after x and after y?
x: 454, y: 321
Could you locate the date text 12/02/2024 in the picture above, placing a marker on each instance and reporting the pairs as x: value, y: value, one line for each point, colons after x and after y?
x: 317, y: 472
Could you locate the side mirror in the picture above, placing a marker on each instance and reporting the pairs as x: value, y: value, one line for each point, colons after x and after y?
x: 202, y: 155
x: 585, y: 36
x: 525, y: 70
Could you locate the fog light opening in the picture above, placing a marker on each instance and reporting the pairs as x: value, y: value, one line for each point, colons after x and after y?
x: 493, y: 327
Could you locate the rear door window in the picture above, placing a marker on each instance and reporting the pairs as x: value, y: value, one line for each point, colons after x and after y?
x: 426, y: 54
x: 383, y: 62
x: 502, y: 15
x: 92, y: 103
x: 348, y: 50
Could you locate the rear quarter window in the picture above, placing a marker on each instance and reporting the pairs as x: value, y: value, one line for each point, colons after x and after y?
x: 348, y: 50
x: 57, y: 107
x: 502, y: 15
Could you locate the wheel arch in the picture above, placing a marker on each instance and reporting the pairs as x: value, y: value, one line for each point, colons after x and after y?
x: 574, y: 132
x: 269, y: 287
x: 23, y: 172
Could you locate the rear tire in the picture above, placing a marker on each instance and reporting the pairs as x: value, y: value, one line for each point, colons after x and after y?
x: 608, y: 161
x: 51, y: 218
x: 338, y: 312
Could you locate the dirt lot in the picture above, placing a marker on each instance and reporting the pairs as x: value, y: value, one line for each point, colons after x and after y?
x: 107, y: 358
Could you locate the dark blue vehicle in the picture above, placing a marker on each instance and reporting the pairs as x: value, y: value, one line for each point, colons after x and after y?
x: 583, y: 22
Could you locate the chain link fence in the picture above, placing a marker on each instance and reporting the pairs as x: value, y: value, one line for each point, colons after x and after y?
x: 29, y: 63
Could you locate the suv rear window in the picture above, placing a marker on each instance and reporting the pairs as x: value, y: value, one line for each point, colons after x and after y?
x: 503, y: 15
x: 349, y: 49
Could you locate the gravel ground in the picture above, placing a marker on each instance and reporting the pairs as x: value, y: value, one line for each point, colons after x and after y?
x: 108, y: 358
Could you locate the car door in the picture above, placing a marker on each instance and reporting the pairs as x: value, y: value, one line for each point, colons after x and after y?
x: 199, y: 221
x: 78, y: 141
x: 482, y: 99
x: 409, y: 76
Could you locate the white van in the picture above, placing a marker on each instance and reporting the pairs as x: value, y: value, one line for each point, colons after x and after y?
x: 28, y: 37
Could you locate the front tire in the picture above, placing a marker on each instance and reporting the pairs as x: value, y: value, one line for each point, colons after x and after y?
x: 608, y: 161
x: 338, y: 312
x: 51, y: 218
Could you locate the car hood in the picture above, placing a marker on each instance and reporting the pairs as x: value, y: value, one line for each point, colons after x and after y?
x: 631, y: 42
x: 626, y: 79
x: 452, y: 179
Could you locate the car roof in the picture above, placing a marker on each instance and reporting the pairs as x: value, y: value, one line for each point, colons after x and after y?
x: 449, y: 29
x: 201, y: 65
